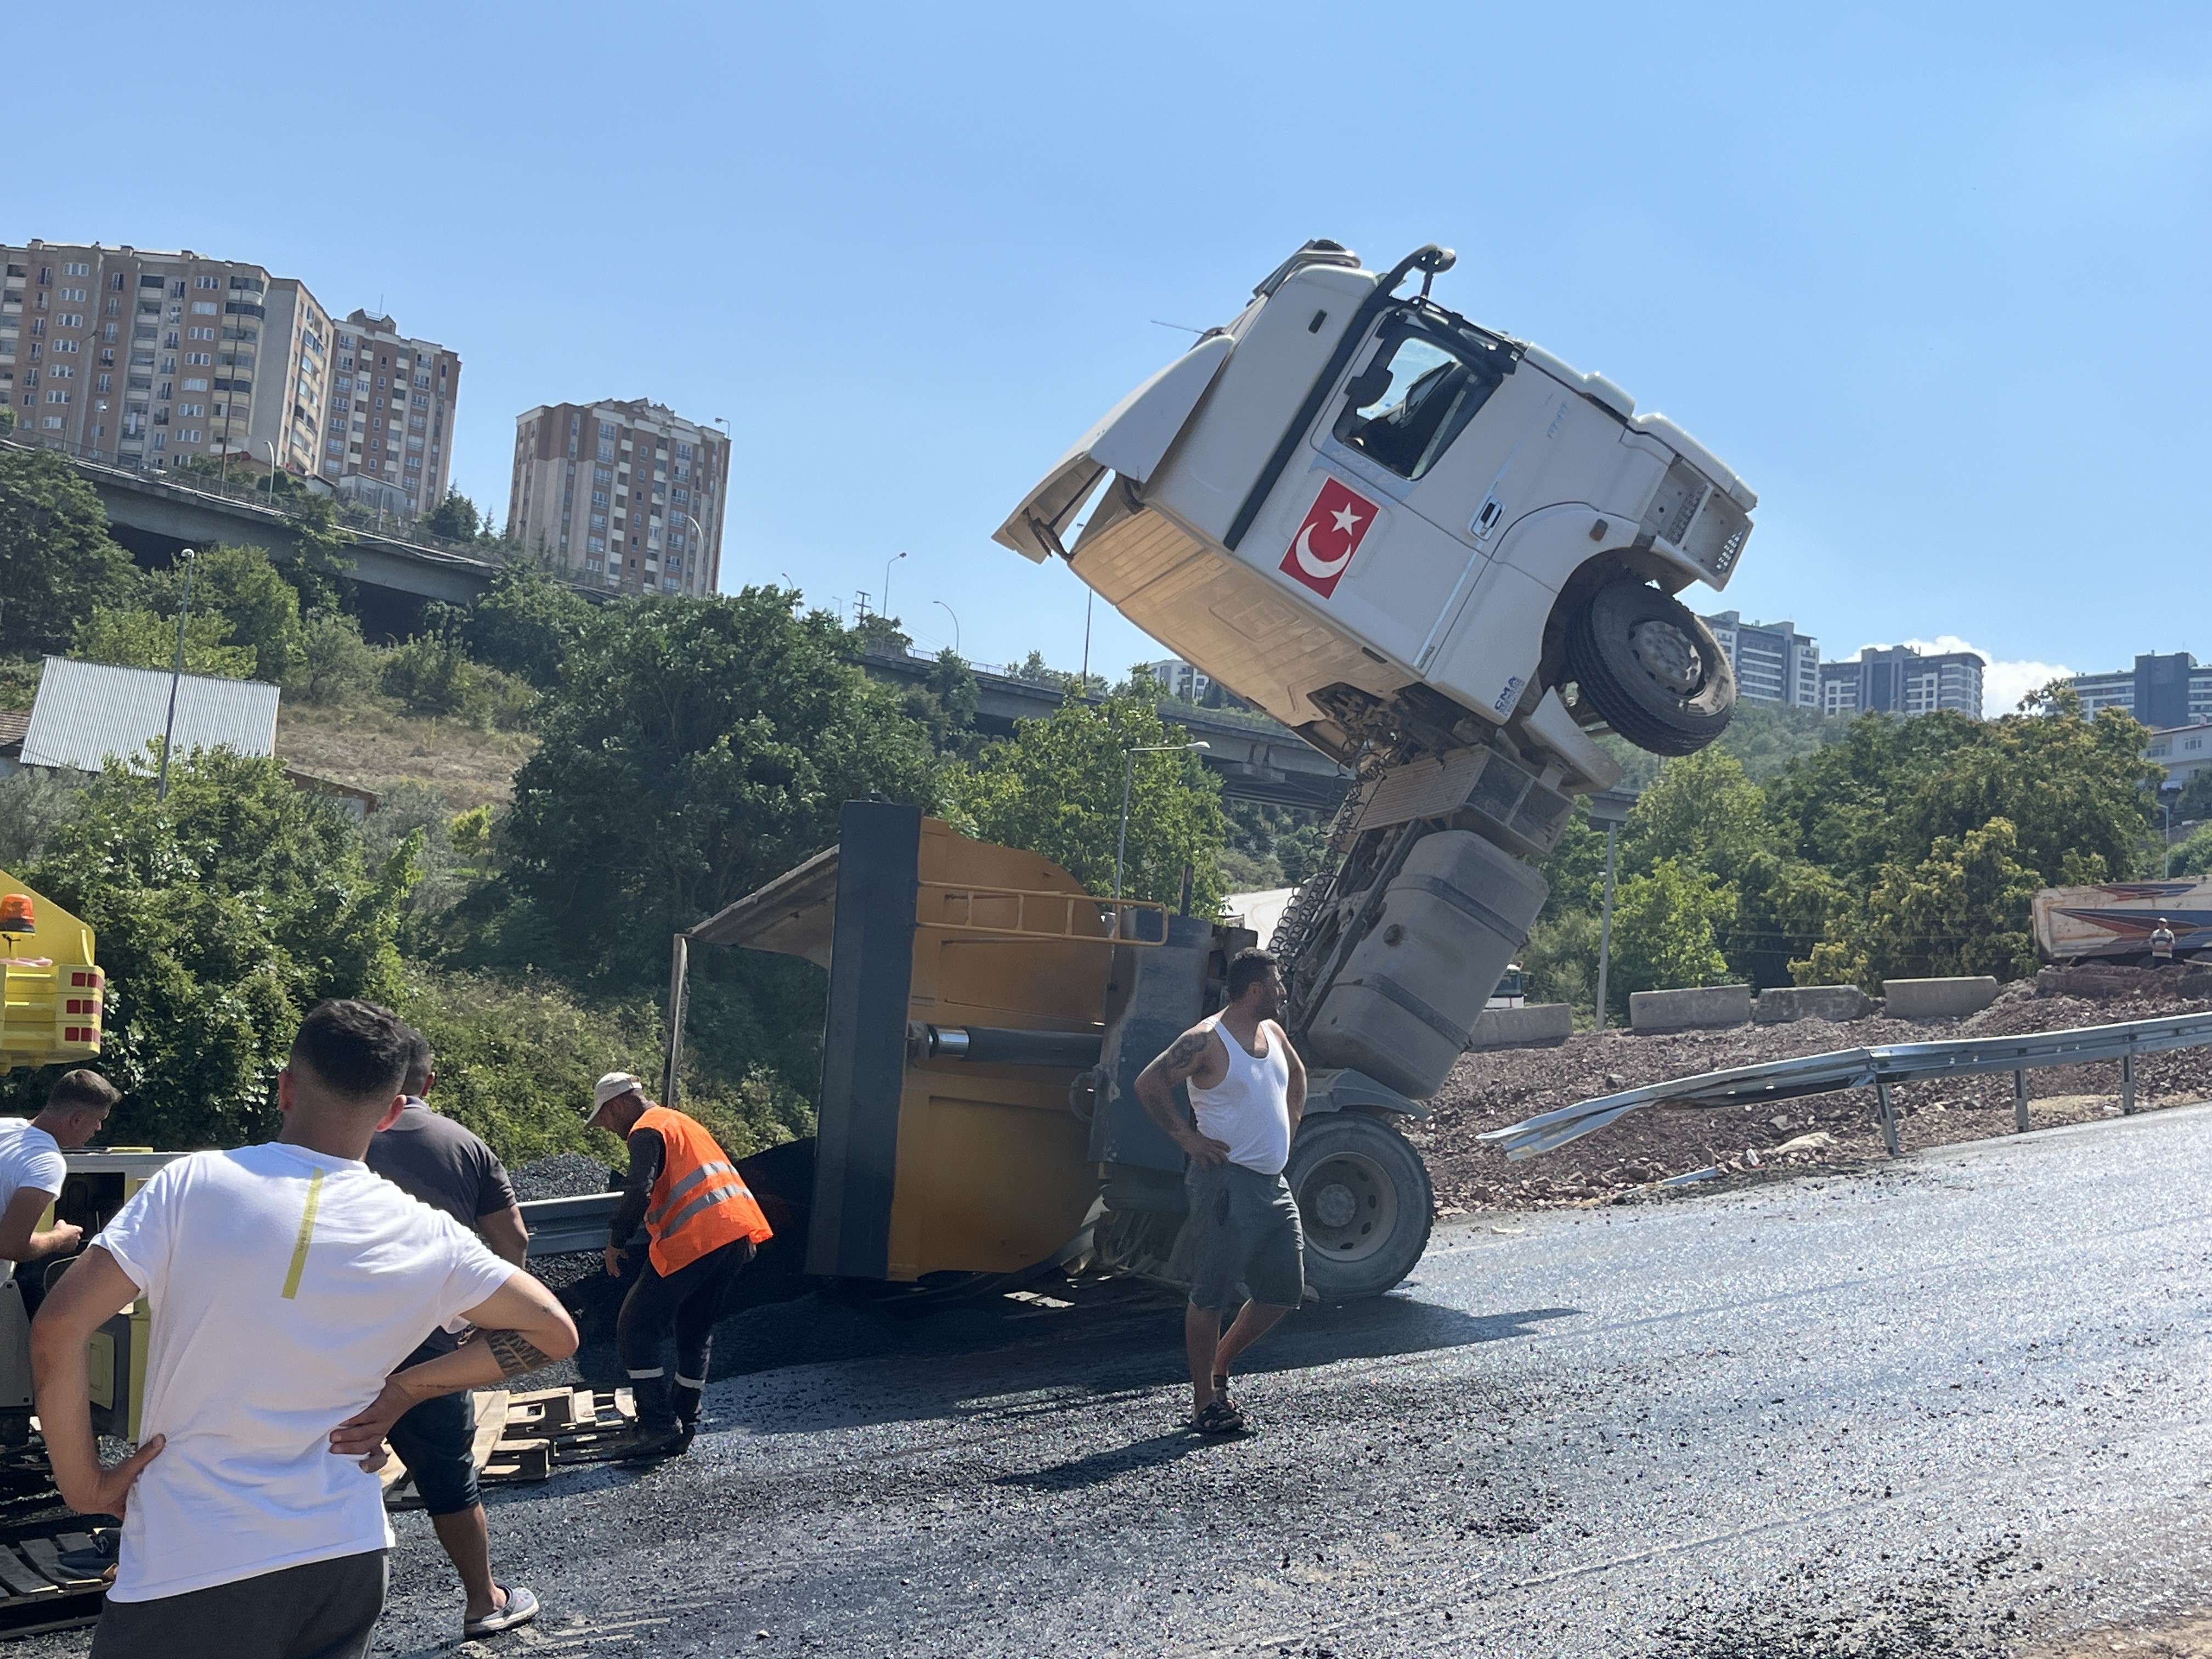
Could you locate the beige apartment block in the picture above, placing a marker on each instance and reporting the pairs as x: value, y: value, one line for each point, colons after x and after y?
x: 147, y: 359
x: 388, y: 437
x: 621, y: 494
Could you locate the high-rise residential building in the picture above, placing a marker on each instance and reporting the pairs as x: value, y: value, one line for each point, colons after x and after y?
x: 1773, y: 662
x: 388, y: 439
x: 1899, y: 680
x: 2160, y: 692
x: 145, y: 359
x: 1179, y: 679
x: 621, y: 493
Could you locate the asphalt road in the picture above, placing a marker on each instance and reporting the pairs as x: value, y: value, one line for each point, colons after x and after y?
x: 1956, y: 1405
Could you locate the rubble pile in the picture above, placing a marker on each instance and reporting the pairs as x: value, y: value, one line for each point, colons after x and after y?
x: 1492, y: 1088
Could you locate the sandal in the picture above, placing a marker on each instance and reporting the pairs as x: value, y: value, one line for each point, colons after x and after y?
x: 1219, y: 1418
x: 519, y: 1608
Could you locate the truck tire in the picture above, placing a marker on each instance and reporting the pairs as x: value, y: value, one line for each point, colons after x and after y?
x: 1364, y: 1197
x: 1651, y: 669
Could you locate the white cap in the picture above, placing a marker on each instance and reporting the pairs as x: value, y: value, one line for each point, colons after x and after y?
x: 613, y: 1086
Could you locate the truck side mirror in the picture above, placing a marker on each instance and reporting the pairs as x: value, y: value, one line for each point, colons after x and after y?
x: 1366, y: 388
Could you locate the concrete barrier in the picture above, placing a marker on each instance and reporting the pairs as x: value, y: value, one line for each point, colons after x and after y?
x: 1937, y: 998
x: 1792, y: 1002
x: 1523, y: 1028
x: 1698, y: 1007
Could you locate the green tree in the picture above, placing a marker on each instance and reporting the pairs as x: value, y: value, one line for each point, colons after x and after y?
x: 221, y: 914
x: 456, y: 518
x: 57, y: 559
x: 432, y: 673
x: 1700, y: 810
x: 335, y: 660
x: 2195, y: 800
x: 138, y: 638
x: 1962, y: 909
x: 243, y: 586
x: 1055, y: 787
x: 1666, y: 924
x: 323, y: 570
x: 2193, y: 857
x: 528, y: 624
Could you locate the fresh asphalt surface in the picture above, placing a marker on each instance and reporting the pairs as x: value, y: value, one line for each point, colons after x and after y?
x: 1954, y: 1406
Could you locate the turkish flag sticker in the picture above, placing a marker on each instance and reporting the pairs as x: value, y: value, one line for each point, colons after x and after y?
x: 1335, y: 525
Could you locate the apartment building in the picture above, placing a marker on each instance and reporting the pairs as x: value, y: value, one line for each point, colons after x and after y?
x: 623, y: 494
x: 144, y: 358
x: 1899, y: 680
x: 1773, y: 662
x: 2163, y: 692
x: 387, y: 440
x: 1178, y: 678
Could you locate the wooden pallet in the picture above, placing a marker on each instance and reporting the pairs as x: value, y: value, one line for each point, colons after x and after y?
x: 525, y: 1436
x: 37, y: 1593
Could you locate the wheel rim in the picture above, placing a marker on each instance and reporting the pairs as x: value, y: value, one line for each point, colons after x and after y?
x: 1349, y: 1205
x: 1668, y: 655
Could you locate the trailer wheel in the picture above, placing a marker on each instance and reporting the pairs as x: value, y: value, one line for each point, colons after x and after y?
x: 1364, y: 1197
x: 1651, y: 669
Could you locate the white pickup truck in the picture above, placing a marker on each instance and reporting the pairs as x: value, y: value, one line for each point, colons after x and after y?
x: 1444, y: 556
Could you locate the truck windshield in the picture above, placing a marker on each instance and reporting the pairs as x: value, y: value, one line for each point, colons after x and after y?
x: 1419, y: 393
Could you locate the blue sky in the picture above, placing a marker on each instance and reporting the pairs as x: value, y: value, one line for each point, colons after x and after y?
x: 1932, y: 278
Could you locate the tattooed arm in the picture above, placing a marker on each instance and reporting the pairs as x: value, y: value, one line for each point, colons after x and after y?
x: 1191, y: 1055
x: 519, y: 1327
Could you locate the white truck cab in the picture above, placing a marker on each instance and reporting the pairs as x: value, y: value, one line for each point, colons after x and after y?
x: 1446, y: 559
x: 1361, y: 511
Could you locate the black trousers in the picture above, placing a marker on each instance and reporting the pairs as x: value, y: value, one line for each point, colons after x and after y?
x: 324, y: 1610
x: 684, y: 1304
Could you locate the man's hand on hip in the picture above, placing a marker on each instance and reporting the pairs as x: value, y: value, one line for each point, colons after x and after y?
x: 1206, y: 1151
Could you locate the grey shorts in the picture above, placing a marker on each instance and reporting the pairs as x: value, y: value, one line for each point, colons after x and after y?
x: 1247, y: 1242
x: 324, y: 1610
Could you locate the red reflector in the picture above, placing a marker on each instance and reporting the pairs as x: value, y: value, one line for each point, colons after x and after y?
x: 80, y: 979
x: 70, y: 1034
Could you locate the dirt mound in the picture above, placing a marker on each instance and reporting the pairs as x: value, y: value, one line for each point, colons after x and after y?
x: 1490, y: 1090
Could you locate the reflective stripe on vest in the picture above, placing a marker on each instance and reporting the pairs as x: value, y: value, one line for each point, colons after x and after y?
x: 699, y: 1202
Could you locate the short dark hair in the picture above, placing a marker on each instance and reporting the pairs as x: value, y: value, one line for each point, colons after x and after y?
x: 420, y: 1062
x: 356, y: 1049
x: 81, y: 1090
x: 1247, y: 968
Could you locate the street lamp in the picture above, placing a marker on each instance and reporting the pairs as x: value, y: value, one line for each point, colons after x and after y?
x: 888, y: 563
x: 699, y: 546
x: 271, y: 442
x: 169, y: 729
x: 1129, y: 775
x: 955, y: 627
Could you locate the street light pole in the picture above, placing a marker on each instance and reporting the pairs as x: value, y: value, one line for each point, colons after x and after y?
x: 1128, y: 776
x: 271, y: 442
x: 1611, y: 808
x: 888, y: 563
x: 955, y: 615
x: 176, y: 673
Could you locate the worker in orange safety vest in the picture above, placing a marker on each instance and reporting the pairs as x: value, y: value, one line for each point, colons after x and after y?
x: 701, y: 1226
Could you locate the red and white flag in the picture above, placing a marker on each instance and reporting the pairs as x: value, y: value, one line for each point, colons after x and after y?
x: 1332, y: 532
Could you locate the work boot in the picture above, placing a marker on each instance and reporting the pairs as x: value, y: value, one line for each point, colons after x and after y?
x: 656, y: 1432
x: 687, y: 1401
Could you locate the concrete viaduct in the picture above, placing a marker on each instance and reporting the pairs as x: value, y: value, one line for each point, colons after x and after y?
x: 155, y: 515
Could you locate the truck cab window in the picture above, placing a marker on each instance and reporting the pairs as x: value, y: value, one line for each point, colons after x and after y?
x: 1414, y: 399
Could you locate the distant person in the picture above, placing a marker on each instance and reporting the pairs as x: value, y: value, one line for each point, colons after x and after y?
x: 702, y: 1227
x: 1248, y: 1091
x: 434, y: 1159
x: 286, y: 1281
x: 2162, y: 943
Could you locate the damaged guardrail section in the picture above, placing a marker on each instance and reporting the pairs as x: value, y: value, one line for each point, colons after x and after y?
x: 1878, y: 1069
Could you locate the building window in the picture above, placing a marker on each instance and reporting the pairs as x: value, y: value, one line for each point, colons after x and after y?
x: 203, y: 309
x: 77, y: 271
x: 207, y: 281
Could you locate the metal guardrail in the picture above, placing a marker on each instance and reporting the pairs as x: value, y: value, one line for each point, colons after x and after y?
x: 1858, y: 1068
x: 562, y: 1226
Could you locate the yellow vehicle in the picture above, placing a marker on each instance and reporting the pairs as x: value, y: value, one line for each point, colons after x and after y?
x: 977, y: 1120
x: 51, y: 991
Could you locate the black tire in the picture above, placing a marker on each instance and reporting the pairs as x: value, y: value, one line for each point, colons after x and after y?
x: 1651, y: 669
x: 1364, y: 1197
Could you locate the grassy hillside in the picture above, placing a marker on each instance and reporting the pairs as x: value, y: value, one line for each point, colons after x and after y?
x: 372, y: 744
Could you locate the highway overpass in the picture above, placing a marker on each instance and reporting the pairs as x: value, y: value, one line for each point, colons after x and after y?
x: 1255, y: 758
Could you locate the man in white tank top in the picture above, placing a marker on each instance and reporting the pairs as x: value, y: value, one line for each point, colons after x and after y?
x: 1248, y: 1091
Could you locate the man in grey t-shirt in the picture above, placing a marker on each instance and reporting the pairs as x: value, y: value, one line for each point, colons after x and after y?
x: 434, y: 1159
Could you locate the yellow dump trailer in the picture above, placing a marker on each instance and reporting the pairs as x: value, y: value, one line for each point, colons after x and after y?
x: 50, y: 993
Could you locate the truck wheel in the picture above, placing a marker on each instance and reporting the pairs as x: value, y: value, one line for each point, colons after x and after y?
x: 1364, y: 1197
x: 1651, y: 669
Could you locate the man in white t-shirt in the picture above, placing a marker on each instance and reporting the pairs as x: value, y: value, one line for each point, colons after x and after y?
x: 32, y: 1167
x: 286, y: 1280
